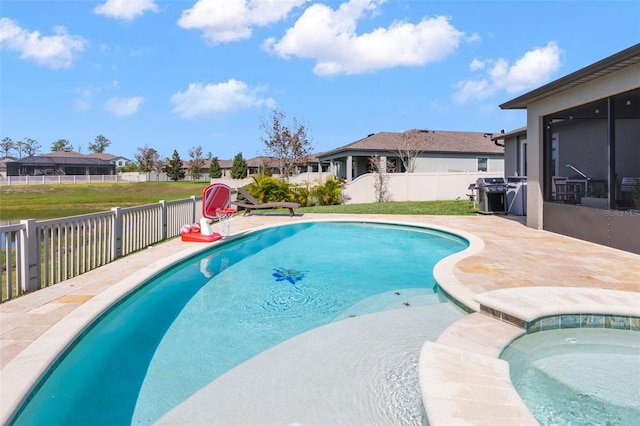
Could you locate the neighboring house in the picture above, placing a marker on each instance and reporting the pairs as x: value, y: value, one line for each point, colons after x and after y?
x: 437, y: 151
x: 3, y: 165
x: 113, y: 159
x: 582, y: 147
x: 60, y: 163
x: 254, y: 165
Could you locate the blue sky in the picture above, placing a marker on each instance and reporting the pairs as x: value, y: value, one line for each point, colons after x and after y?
x: 182, y: 73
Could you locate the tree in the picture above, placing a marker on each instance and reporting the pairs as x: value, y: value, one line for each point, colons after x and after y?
x: 147, y: 158
x: 19, y: 147
x: 159, y: 165
x: 409, y: 148
x: 239, y: 167
x: 129, y: 167
x: 61, y: 145
x: 100, y: 145
x: 175, y: 172
x: 287, y: 144
x: 196, y: 162
x: 7, y: 146
x: 30, y: 147
x: 215, y: 171
x: 379, y: 168
x: 264, y: 169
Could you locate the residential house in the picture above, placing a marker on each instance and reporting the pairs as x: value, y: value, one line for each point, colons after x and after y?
x: 113, y: 159
x: 60, y: 163
x: 3, y: 165
x: 433, y: 150
x: 580, y: 152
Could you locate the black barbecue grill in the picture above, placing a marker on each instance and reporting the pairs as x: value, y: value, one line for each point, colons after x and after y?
x: 492, y: 195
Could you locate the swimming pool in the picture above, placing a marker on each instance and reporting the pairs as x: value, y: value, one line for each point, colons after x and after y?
x: 578, y: 375
x: 211, y: 313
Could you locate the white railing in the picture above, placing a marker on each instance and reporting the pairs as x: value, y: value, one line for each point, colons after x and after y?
x: 59, y: 179
x: 37, y: 254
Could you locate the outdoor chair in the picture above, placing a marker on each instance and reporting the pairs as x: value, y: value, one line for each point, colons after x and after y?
x: 252, y: 204
x: 560, y: 189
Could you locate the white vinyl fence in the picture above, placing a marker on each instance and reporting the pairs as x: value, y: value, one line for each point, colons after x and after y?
x: 59, y: 179
x: 37, y: 254
x: 414, y: 186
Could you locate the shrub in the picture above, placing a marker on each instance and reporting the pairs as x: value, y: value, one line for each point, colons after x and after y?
x: 267, y: 189
x: 328, y: 194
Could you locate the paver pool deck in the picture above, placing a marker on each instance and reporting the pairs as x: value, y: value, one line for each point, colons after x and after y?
x: 510, y: 270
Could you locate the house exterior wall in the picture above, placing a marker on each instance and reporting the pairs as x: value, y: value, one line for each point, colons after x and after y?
x: 442, y: 163
x: 427, y: 163
x: 621, y: 81
x: 511, y: 158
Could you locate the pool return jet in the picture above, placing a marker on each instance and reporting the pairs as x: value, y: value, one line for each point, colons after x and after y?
x: 216, y: 199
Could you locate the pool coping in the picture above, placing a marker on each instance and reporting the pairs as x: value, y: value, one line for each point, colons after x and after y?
x: 24, y: 369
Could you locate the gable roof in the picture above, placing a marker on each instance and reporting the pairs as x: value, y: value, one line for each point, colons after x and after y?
x: 613, y: 63
x: 63, y: 153
x: 427, y: 141
x: 107, y: 157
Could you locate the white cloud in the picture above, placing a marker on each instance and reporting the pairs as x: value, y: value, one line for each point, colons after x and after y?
x: 224, y: 21
x: 124, y: 106
x: 329, y: 37
x: 85, y: 96
x: 125, y: 10
x: 218, y: 99
x: 533, y: 69
x: 477, y: 64
x: 55, y: 51
x: 473, y: 38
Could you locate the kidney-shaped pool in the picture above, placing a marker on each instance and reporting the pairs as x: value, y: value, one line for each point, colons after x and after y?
x: 196, y: 320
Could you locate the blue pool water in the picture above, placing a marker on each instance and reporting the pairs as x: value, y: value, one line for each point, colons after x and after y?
x: 201, y: 318
x: 578, y: 376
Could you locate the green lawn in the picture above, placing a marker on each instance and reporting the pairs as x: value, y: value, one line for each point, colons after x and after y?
x: 55, y: 201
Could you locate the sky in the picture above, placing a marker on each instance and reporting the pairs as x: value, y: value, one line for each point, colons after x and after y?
x: 174, y: 75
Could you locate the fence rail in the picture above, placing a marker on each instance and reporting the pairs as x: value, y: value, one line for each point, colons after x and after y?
x: 59, y: 179
x: 38, y: 254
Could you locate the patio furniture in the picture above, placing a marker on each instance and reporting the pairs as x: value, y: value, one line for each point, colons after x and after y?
x: 561, y: 191
x: 253, y: 204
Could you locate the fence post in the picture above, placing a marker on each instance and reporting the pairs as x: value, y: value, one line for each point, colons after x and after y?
x: 193, y: 209
x: 163, y: 219
x: 116, y: 234
x: 29, y: 271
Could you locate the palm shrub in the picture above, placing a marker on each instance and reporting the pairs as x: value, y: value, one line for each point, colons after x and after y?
x: 267, y: 189
x: 329, y: 194
x: 301, y: 193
